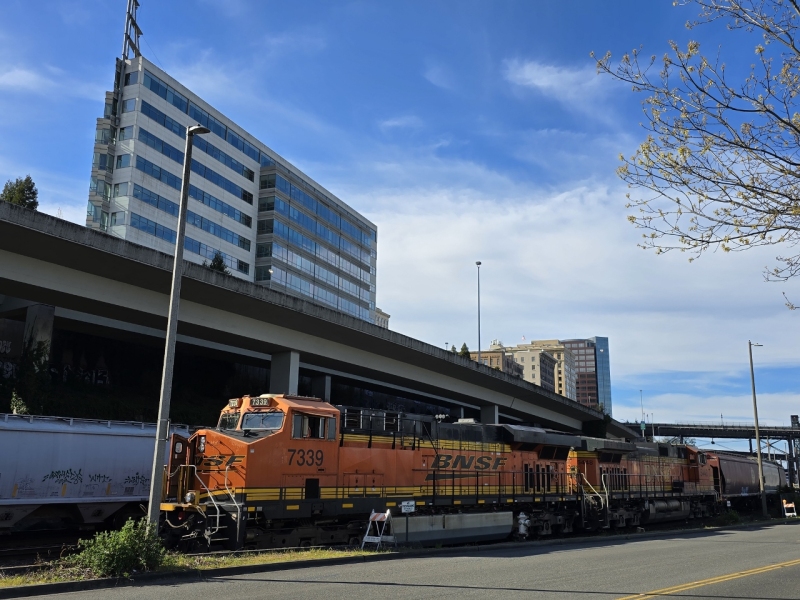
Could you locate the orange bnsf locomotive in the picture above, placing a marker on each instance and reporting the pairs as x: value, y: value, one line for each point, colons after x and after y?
x: 293, y: 471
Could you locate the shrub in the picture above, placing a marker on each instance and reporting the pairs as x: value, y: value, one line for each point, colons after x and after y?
x: 18, y: 406
x: 730, y: 517
x: 135, y: 547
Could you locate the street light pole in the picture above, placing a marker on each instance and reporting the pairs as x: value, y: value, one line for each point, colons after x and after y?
x: 478, y: 264
x: 758, y: 438
x: 162, y: 429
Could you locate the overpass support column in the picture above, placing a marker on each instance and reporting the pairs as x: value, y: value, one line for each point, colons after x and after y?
x: 39, y: 325
x: 284, y: 373
x: 321, y: 387
x: 790, y: 461
x: 490, y: 415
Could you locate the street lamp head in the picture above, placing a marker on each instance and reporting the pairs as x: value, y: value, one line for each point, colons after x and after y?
x: 197, y: 130
x: 478, y: 263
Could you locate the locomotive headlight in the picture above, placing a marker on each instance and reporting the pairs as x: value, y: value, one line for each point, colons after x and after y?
x: 201, y: 443
x: 190, y: 498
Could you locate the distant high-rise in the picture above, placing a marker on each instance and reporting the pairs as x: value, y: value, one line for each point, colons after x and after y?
x: 549, y: 355
x: 538, y: 366
x: 498, y: 358
x: 269, y: 222
x: 592, y: 362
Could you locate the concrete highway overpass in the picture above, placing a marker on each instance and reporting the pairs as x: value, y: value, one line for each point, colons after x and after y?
x: 112, y: 287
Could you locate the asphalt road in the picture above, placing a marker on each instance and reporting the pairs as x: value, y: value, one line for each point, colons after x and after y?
x: 761, y: 564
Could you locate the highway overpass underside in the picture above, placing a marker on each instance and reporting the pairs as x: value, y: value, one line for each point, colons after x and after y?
x: 113, y: 289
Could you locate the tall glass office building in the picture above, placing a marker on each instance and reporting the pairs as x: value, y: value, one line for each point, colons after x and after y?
x: 270, y: 223
x: 592, y: 361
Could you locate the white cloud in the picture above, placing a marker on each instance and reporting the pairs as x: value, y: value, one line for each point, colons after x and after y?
x: 560, y: 262
x: 52, y: 80
x: 276, y: 45
x: 568, y: 154
x: 773, y: 408
x: 439, y: 75
x: 578, y: 88
x: 18, y: 78
x: 404, y: 122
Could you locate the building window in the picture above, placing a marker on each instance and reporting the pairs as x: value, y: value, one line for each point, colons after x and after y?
x: 263, y: 273
x: 263, y: 250
x: 110, y: 109
x: 267, y: 181
x: 103, y: 162
x: 126, y: 133
x: 117, y: 218
x: 120, y: 189
x: 103, y: 136
x: 123, y: 160
x: 129, y: 105
x: 132, y: 78
x: 100, y: 187
x: 265, y: 225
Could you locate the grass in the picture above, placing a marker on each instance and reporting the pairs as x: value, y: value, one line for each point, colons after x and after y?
x: 59, y: 571
x: 214, y: 561
x: 49, y: 573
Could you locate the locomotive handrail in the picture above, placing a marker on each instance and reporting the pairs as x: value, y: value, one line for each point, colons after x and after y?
x: 213, y: 501
x: 594, y: 491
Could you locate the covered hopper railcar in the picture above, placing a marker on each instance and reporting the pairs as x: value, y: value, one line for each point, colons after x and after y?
x: 59, y: 473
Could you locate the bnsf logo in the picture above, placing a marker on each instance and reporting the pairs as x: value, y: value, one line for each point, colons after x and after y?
x: 220, y: 460
x: 459, y: 461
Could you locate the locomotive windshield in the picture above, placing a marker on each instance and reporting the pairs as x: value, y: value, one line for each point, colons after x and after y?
x: 263, y: 420
x: 228, y: 420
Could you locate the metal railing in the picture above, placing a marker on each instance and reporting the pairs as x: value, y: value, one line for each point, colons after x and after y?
x: 479, y: 487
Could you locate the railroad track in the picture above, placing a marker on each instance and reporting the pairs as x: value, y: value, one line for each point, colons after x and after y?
x: 18, y: 551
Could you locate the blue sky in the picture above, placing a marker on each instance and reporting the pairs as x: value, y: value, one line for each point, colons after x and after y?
x: 466, y: 131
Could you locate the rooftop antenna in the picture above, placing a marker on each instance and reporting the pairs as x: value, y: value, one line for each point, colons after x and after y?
x: 130, y: 40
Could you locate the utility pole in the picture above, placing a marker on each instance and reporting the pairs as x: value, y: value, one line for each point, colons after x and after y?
x: 478, y: 264
x: 162, y: 428
x: 758, y: 437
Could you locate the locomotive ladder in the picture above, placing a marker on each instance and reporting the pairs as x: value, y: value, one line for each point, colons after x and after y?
x: 210, y: 529
x: 377, y: 530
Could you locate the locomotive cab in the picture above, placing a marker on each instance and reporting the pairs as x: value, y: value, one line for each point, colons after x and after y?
x: 263, y: 446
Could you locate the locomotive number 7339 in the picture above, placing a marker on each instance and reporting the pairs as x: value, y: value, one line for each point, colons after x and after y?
x: 305, y: 458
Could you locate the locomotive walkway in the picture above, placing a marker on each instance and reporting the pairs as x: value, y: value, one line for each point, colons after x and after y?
x: 759, y: 564
x: 113, y: 288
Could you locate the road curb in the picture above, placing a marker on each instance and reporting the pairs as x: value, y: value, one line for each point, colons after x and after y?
x: 38, y: 589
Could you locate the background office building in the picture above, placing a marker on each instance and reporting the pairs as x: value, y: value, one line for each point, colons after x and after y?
x: 593, y: 386
x: 497, y: 358
x: 562, y: 365
x: 271, y: 223
x: 536, y: 366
